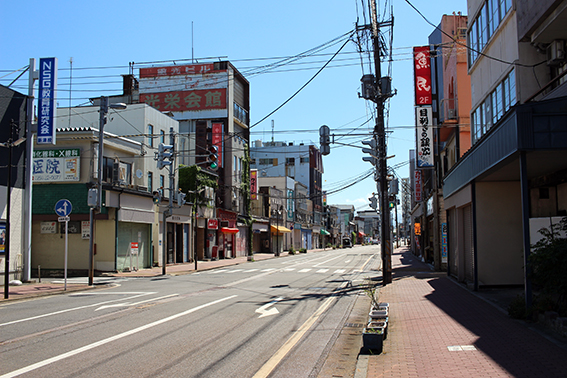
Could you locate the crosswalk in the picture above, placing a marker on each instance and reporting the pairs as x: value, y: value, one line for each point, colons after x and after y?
x: 304, y: 270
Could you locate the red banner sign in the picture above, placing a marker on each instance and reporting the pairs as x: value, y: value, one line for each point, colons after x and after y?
x: 179, y: 101
x: 191, y: 69
x: 417, y: 185
x: 253, y: 184
x: 422, y: 70
x: 218, y: 140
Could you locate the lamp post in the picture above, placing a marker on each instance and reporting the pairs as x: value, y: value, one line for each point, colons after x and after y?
x: 103, y: 111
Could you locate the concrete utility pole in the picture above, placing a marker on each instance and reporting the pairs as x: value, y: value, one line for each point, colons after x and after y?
x: 382, y: 93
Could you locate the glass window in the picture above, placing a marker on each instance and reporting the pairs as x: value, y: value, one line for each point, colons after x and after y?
x: 487, y: 114
x: 162, y: 136
x: 512, y: 90
x: 150, y: 181
x: 150, y: 135
x: 499, y: 109
x: 162, y: 182
x: 482, y: 28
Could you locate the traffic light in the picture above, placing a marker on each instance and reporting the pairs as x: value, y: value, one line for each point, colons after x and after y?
x: 165, y: 152
x: 373, y: 202
x: 156, y: 196
x: 373, y: 151
x: 213, y: 159
x: 325, y: 139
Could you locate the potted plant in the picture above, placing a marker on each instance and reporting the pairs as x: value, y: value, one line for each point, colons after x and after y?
x: 382, y: 324
x: 372, y: 339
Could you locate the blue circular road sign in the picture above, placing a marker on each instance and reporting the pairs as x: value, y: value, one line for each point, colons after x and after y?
x: 63, y: 207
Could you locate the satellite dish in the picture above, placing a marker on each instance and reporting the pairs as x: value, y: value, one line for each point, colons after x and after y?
x: 139, y: 173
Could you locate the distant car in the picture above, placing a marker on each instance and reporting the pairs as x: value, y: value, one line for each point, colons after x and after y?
x: 347, y: 243
x: 375, y: 241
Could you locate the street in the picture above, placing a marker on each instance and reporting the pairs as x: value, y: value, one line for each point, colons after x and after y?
x: 277, y: 317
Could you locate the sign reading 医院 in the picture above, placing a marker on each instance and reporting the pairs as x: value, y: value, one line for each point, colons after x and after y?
x: 56, y: 165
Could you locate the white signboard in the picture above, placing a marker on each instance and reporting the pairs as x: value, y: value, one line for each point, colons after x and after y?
x: 184, y: 83
x: 48, y: 227
x: 86, y: 229
x: 424, y: 136
x: 56, y: 165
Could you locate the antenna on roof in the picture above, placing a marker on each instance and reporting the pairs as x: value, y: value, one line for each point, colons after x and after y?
x: 272, y: 131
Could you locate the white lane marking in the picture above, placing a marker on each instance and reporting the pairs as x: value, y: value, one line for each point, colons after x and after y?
x: 268, y: 270
x: 75, y: 308
x: 322, y: 271
x: 294, y: 339
x: 264, y: 309
x: 289, y: 269
x: 326, y: 261
x: 218, y: 271
x: 135, y: 304
x: 251, y: 270
x: 304, y: 270
x: 235, y: 270
x: 71, y: 353
x: 340, y: 271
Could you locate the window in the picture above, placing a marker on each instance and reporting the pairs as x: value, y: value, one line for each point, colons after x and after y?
x: 290, y: 161
x: 253, y: 161
x: 162, y: 182
x: 494, y: 106
x: 162, y: 136
x: 482, y: 28
x: 150, y: 182
x: 150, y: 135
x: 107, y: 169
x: 266, y: 161
x: 304, y: 160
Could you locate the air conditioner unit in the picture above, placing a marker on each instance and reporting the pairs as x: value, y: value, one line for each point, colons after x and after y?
x: 556, y: 52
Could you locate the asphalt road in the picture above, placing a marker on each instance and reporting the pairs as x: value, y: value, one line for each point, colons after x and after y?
x: 276, y: 318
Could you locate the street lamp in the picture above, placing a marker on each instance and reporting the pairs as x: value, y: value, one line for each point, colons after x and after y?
x: 10, y: 143
x: 104, y: 106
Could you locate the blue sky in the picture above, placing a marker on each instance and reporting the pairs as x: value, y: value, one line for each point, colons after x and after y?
x: 103, y: 37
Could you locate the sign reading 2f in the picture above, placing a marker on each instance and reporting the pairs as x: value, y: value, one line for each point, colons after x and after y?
x: 46, y: 106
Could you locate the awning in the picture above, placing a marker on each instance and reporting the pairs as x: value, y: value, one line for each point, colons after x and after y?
x: 361, y: 234
x: 279, y: 229
x: 229, y: 230
x: 325, y: 232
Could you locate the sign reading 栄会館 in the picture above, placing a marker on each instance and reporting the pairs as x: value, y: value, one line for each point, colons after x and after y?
x: 424, y: 136
x: 56, y: 165
x: 46, y: 101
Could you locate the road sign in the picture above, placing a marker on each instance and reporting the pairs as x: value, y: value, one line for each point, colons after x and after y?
x: 63, y: 207
x: 63, y: 219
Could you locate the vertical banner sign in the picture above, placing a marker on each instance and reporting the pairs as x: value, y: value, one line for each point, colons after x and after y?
x: 218, y: 140
x: 290, y: 204
x: 444, y: 243
x: 46, y: 111
x: 253, y: 184
x: 422, y: 71
x: 417, y: 185
x: 424, y: 136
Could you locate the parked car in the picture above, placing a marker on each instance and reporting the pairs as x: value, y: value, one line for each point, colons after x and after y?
x: 347, y: 243
x: 375, y: 241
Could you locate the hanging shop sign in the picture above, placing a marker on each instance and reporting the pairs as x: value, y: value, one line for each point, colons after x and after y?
x: 417, y: 185
x: 422, y: 71
x: 424, y: 136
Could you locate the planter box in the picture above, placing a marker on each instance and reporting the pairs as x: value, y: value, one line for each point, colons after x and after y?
x: 372, y: 341
x: 383, y: 325
x: 378, y: 314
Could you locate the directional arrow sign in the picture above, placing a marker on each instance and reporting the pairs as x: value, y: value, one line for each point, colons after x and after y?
x: 63, y: 207
x: 264, y: 311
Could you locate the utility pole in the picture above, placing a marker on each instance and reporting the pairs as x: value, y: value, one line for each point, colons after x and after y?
x: 382, y: 93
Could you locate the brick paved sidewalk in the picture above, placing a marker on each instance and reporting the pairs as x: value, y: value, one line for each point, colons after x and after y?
x: 439, y: 329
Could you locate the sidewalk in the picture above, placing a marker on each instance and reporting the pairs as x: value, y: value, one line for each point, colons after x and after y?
x: 440, y: 329
x: 51, y: 286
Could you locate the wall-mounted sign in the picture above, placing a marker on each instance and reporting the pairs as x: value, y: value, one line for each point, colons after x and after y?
x: 179, y: 101
x: 424, y: 136
x: 417, y: 229
x: 212, y: 224
x: 422, y: 70
x: 46, y: 101
x: 417, y: 185
x: 48, y: 228
x: 253, y: 184
x: 217, y: 140
x: 56, y: 165
x: 444, y: 243
x: 86, y: 229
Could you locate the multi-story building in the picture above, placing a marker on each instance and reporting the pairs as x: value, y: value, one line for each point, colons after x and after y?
x: 451, y: 104
x: 211, y: 101
x: 512, y: 181
x: 130, y: 175
x: 12, y: 129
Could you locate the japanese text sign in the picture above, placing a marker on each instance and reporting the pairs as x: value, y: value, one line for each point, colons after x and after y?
x: 424, y: 136
x: 56, y: 165
x: 46, y: 106
x: 417, y: 185
x: 180, y: 101
x: 217, y: 139
x: 253, y: 184
x: 422, y: 70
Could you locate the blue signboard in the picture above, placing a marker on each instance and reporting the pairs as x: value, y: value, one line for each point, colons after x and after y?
x: 46, y: 105
x: 63, y: 207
